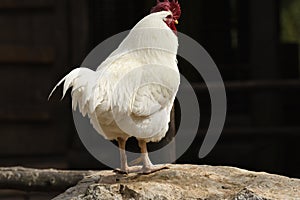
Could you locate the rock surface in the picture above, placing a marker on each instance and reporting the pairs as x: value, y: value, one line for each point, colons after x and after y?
x: 185, y: 182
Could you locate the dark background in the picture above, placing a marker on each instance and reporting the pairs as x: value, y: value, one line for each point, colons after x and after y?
x: 255, y: 44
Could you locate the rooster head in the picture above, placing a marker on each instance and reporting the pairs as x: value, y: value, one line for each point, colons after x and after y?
x: 172, y: 6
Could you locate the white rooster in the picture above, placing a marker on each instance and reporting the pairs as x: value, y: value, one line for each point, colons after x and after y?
x: 132, y: 92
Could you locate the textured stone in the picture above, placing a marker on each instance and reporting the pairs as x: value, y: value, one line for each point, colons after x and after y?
x: 186, y: 182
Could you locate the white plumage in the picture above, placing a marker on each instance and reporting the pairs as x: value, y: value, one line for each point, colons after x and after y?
x: 132, y: 92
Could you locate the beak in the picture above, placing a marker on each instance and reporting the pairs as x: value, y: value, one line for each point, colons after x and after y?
x: 176, y: 21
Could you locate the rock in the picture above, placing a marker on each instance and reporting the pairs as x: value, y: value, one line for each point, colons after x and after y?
x: 185, y: 182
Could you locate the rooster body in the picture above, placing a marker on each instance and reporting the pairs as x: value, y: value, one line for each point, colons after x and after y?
x: 132, y: 92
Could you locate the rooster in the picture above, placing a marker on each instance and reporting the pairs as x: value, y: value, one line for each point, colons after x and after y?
x: 132, y: 92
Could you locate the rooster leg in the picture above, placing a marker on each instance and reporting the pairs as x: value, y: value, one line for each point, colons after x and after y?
x: 148, y: 167
x: 123, y: 158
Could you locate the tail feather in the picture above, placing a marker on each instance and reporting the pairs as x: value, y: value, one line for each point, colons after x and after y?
x: 68, y: 79
x: 58, y: 84
x: 83, y: 81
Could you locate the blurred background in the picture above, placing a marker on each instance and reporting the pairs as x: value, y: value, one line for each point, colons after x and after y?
x: 254, y: 43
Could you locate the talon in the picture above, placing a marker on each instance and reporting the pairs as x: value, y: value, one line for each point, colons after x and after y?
x: 133, y: 169
x: 153, y: 168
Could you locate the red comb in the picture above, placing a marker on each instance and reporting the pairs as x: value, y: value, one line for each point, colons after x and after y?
x: 168, y: 5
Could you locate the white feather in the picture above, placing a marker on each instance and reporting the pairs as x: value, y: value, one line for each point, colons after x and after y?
x: 132, y: 92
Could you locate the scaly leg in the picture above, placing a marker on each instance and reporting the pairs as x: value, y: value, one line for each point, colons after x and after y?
x: 148, y: 167
x: 123, y: 158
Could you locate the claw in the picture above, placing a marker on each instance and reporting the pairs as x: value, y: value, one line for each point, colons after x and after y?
x: 152, y: 169
x: 127, y: 170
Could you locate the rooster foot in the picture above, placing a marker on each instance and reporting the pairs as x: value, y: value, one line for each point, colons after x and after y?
x: 152, y: 168
x: 127, y: 170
